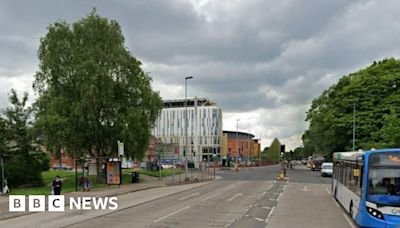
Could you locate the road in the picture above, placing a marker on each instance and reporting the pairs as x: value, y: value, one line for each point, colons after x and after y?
x: 248, y: 198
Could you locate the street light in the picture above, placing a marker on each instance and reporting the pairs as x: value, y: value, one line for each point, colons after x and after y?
x: 214, y: 158
x: 354, y: 126
x: 237, y: 142
x: 186, y: 127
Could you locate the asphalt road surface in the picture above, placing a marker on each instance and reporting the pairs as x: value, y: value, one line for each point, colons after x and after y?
x: 249, y: 198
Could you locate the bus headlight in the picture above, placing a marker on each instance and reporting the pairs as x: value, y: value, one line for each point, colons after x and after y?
x: 375, y: 213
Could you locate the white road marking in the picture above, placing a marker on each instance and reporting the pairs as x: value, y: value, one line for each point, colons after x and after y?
x: 230, y: 187
x: 305, y: 189
x: 337, y: 205
x: 194, y: 194
x: 233, y: 197
x: 269, y: 188
x: 268, y: 208
x: 284, y: 187
x: 211, y: 196
x: 264, y: 193
x: 269, y: 214
x: 258, y: 219
x: 272, y: 199
x: 279, y: 197
x: 171, y: 214
x: 327, y: 190
x: 348, y: 220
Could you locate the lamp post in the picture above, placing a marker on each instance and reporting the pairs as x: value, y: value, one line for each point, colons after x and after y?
x: 186, y: 128
x: 2, y: 174
x: 259, y: 152
x: 354, y: 126
x: 237, y: 142
x: 214, y: 158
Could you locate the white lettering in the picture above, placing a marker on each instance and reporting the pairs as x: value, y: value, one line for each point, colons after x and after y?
x: 100, y: 202
x: 113, y: 202
x: 74, y: 203
x: 86, y: 203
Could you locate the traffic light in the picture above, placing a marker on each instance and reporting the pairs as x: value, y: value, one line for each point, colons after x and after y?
x: 184, y: 153
x: 283, y: 148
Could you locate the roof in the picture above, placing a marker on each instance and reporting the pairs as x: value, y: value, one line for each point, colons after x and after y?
x: 180, y: 103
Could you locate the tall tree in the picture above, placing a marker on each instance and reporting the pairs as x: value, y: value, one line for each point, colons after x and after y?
x: 20, y: 166
x: 91, y: 91
x: 274, y: 151
x: 390, y: 131
x: 369, y: 94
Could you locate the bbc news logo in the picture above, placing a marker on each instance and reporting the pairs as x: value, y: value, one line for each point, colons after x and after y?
x: 37, y: 203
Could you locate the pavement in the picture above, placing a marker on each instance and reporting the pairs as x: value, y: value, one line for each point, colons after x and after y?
x: 251, y: 197
x: 148, y: 182
x: 307, y: 203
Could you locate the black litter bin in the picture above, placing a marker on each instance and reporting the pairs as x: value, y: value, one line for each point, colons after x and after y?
x: 135, y: 177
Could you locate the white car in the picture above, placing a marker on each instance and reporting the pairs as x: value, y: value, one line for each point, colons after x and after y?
x: 326, y: 169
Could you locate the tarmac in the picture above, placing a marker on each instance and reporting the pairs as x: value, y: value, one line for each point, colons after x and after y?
x: 147, y: 182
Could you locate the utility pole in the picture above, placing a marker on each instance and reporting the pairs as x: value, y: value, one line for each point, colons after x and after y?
x: 237, y: 143
x: 259, y: 151
x: 185, y: 150
x: 354, y: 126
x: 2, y: 174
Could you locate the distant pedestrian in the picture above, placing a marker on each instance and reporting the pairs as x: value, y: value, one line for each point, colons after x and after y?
x: 57, y: 185
x: 6, y: 189
x: 85, y: 184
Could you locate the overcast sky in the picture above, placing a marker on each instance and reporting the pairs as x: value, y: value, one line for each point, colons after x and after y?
x: 262, y: 61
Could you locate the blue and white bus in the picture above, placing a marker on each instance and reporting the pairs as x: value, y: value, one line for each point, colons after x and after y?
x: 367, y: 184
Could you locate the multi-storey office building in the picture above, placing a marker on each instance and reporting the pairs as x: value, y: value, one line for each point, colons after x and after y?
x: 204, y: 128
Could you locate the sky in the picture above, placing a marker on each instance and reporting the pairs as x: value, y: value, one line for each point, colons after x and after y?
x: 262, y: 61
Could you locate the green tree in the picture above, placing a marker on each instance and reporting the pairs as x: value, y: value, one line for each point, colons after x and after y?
x: 274, y: 151
x: 20, y: 166
x: 3, y: 147
x: 92, y: 92
x: 390, y: 131
x: 372, y: 92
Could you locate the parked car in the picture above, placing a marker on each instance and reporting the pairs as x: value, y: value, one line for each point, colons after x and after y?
x: 326, y: 169
x: 179, y: 165
x: 143, y: 165
x: 166, y: 166
x: 61, y: 167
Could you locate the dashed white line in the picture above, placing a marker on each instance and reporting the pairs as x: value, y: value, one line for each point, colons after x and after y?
x: 327, y: 191
x: 272, y: 199
x: 348, y: 220
x: 194, y: 194
x: 211, y: 196
x: 173, y: 213
x: 284, y: 187
x: 258, y: 219
x: 266, y: 208
x: 337, y: 205
x: 230, y: 187
x: 233, y: 197
x: 269, y: 188
x: 279, y: 197
x: 269, y: 214
x: 264, y: 193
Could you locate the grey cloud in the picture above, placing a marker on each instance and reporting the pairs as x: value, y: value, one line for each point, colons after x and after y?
x: 265, y: 56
